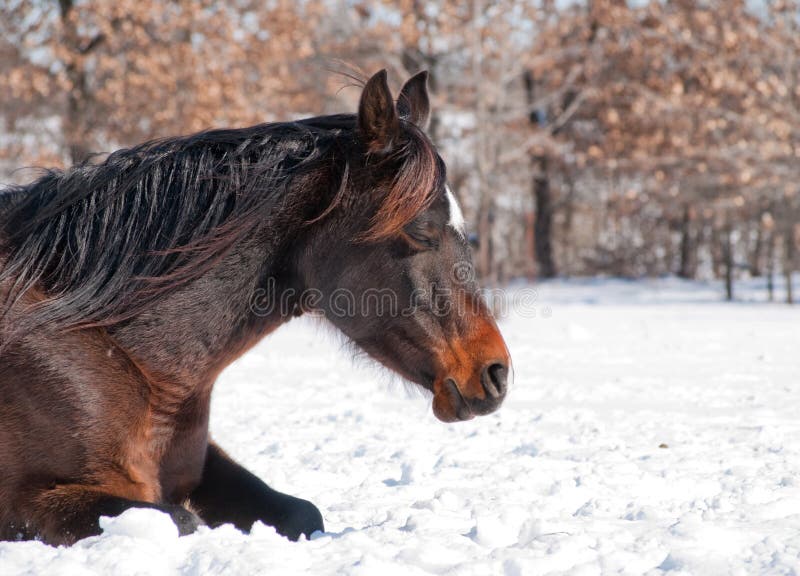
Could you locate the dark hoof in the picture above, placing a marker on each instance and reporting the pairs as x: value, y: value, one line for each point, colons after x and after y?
x: 186, y: 521
x: 301, y: 518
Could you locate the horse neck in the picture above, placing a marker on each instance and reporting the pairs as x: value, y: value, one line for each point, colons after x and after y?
x: 190, y: 336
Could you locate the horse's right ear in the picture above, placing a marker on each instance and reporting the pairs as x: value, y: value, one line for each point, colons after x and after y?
x: 413, y: 103
x: 378, y: 123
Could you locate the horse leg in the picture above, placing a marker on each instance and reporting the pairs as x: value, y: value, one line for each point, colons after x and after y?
x: 228, y: 493
x: 68, y: 513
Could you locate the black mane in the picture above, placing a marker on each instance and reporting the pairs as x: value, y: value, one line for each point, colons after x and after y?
x: 104, y: 241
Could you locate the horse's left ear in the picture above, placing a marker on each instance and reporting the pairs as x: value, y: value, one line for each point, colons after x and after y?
x: 378, y: 123
x: 413, y: 103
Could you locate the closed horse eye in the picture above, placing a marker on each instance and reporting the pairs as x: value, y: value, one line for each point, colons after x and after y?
x: 422, y: 238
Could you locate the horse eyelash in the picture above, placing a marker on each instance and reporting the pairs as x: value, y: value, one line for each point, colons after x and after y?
x: 422, y: 241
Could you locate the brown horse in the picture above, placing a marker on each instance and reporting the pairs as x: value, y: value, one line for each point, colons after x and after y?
x: 128, y: 285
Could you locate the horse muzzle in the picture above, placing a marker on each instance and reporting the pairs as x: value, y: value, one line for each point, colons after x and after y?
x: 454, y: 402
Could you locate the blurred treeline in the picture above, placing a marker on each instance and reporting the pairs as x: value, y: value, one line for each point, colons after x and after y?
x: 585, y: 137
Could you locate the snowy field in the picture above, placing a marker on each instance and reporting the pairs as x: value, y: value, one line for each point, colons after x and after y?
x: 650, y: 429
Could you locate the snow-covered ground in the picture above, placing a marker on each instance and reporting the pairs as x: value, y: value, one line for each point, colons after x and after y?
x: 650, y: 428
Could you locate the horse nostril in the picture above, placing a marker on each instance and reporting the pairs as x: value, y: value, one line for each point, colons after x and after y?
x: 494, y: 379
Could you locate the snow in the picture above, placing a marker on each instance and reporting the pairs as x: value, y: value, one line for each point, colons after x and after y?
x: 650, y: 428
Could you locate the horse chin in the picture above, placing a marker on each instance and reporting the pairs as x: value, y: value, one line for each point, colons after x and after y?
x: 448, y: 403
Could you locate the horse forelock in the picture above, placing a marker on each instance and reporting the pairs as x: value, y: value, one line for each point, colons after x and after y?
x: 414, y: 186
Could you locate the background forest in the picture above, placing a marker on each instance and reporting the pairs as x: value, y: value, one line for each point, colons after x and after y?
x: 597, y: 137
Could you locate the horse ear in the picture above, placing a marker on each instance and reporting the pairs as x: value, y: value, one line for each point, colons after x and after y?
x: 413, y: 103
x: 378, y: 123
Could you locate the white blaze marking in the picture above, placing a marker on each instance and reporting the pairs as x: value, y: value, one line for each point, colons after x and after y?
x: 456, y: 216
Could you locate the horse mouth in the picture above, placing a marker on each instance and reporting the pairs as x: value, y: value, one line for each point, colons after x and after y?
x: 449, y: 404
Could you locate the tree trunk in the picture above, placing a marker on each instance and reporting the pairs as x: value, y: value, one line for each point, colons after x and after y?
x: 542, y: 194
x: 482, y: 152
x: 771, y: 266
x: 758, y: 249
x: 788, y: 262
x: 716, y: 242
x: 530, y: 243
x: 687, y: 269
x: 75, y: 122
x: 567, y: 258
x: 727, y: 257
x: 485, y: 248
x: 543, y: 219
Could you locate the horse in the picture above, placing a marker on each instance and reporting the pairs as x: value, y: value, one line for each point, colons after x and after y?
x: 127, y: 285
